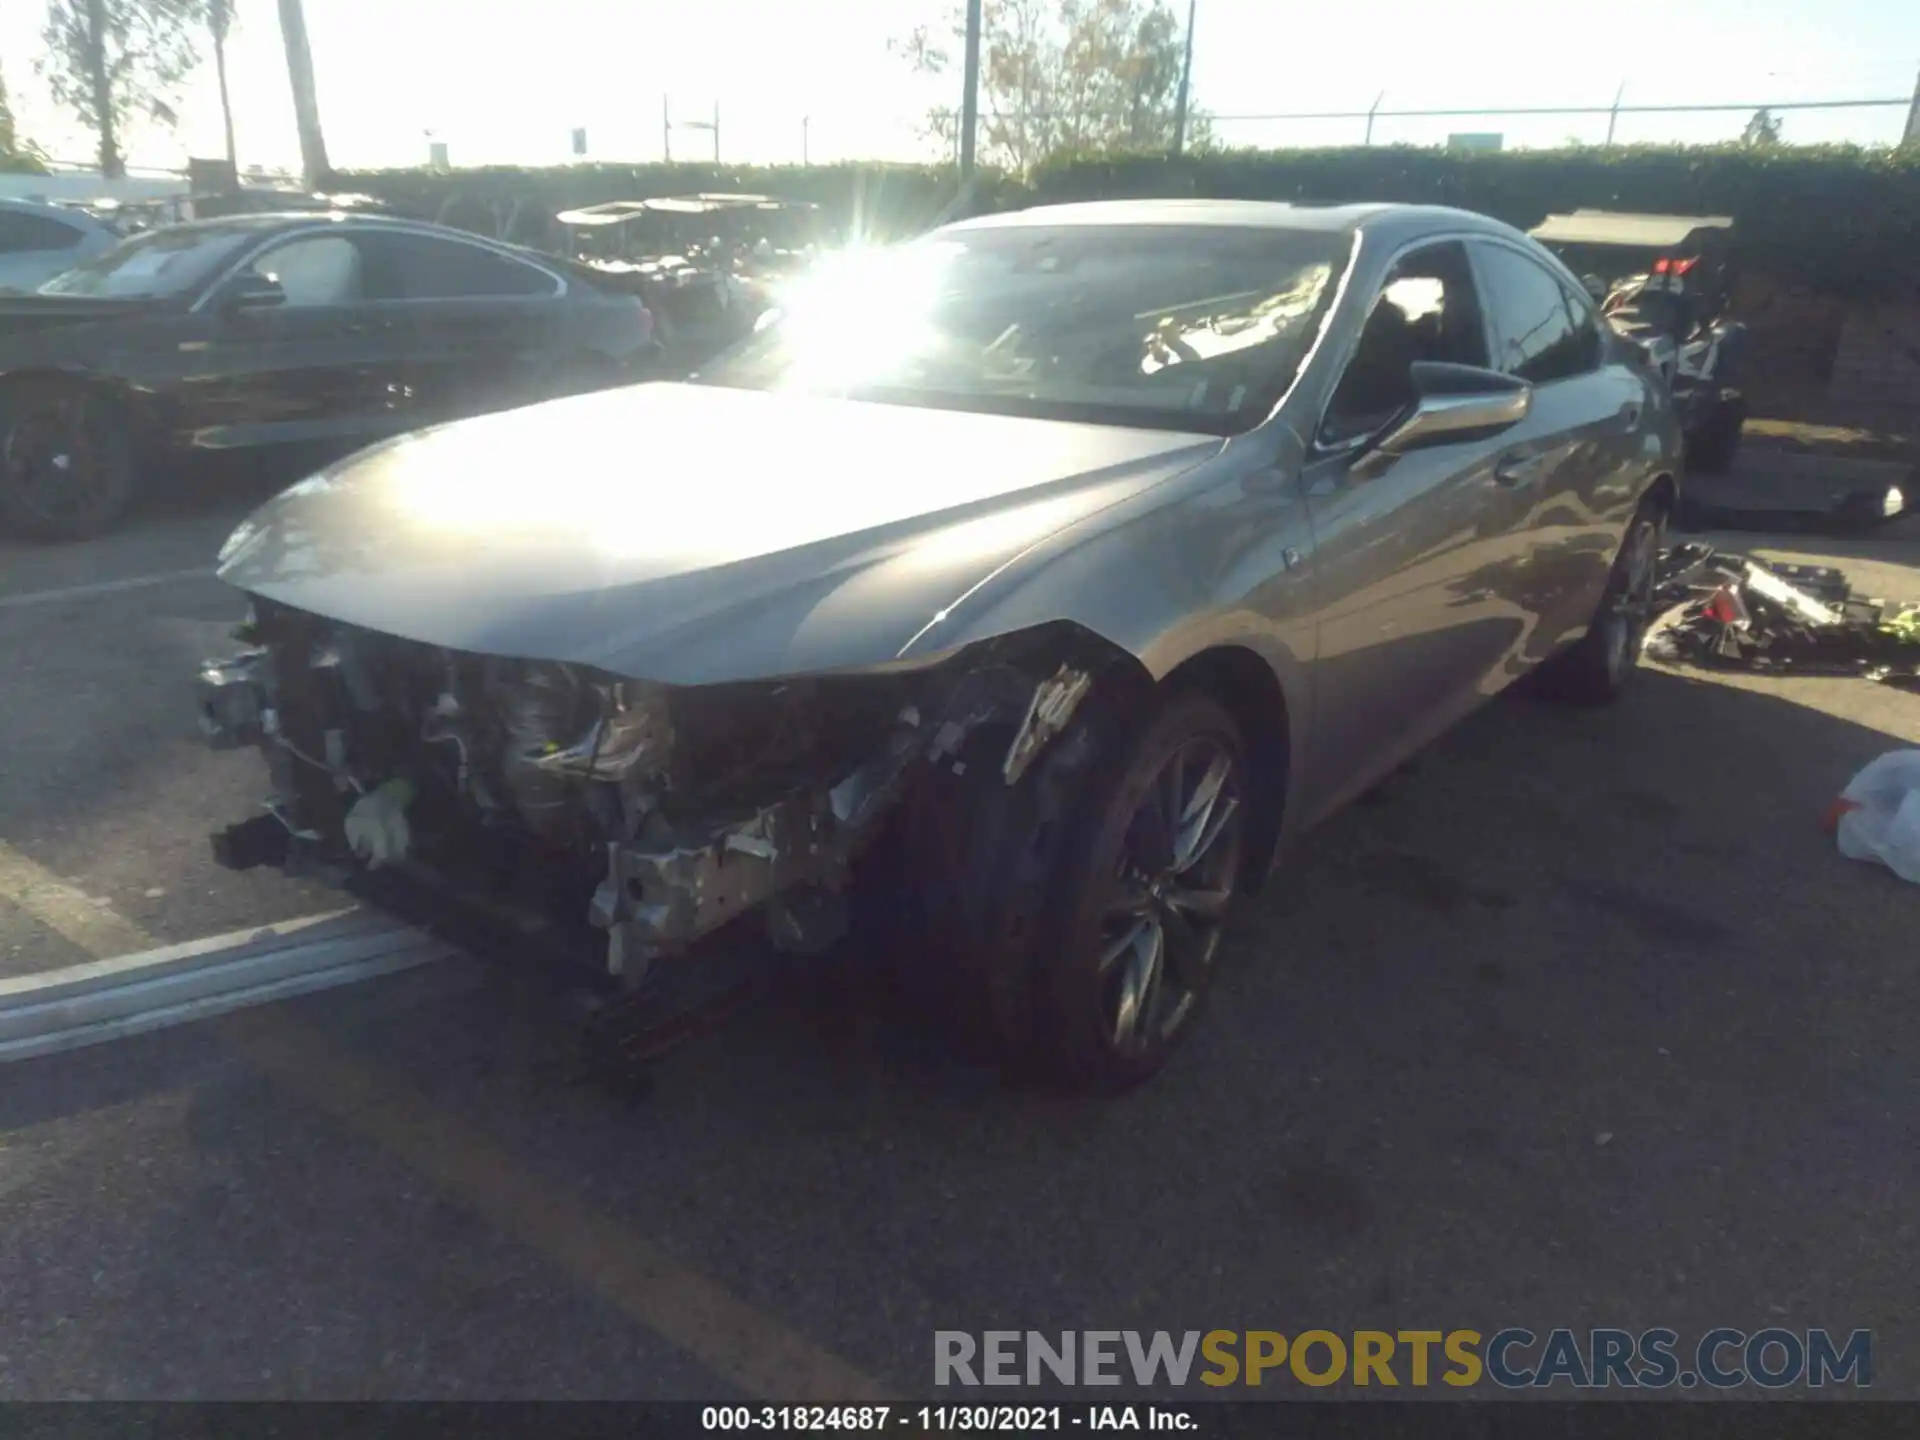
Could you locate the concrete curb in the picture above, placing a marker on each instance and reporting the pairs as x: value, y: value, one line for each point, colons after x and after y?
x: 153, y: 989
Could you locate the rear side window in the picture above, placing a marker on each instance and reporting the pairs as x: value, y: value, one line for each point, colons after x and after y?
x: 400, y: 266
x: 22, y: 234
x: 1537, y: 333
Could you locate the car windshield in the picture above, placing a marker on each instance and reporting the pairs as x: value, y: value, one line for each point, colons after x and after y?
x: 1198, y: 328
x: 159, y: 262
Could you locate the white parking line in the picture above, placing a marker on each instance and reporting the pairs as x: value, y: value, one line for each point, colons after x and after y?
x: 100, y: 587
x: 130, y: 994
x: 751, y: 1349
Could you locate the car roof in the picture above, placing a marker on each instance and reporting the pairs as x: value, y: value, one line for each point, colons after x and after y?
x: 1392, y: 221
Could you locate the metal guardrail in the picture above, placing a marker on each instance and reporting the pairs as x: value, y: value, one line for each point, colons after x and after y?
x: 103, y: 1000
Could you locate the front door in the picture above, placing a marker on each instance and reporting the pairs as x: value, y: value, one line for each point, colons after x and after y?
x: 1406, y: 632
x: 313, y: 367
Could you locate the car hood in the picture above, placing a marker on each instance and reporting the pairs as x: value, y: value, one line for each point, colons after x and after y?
x: 687, y: 534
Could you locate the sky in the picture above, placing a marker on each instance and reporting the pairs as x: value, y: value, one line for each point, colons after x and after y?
x: 505, y: 81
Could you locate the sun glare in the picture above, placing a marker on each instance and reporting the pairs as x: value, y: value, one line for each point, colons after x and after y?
x: 862, y: 312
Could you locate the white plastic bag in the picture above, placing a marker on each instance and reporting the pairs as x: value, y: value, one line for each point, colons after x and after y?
x: 1878, y: 814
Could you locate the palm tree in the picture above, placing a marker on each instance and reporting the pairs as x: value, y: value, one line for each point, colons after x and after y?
x: 220, y: 21
x: 306, y: 101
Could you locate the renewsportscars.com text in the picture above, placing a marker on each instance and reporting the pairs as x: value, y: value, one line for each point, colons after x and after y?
x: 1721, y: 1358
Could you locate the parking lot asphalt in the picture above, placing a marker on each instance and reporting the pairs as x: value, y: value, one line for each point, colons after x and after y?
x: 1579, y: 1021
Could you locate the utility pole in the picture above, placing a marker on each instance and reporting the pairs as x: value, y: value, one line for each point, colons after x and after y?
x: 1613, y: 115
x: 306, y: 99
x: 1912, y: 135
x: 970, y: 96
x: 666, y: 129
x: 716, y: 132
x: 1186, y: 81
x: 805, y: 122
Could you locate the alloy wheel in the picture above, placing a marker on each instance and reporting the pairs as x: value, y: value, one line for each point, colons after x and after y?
x: 1630, y: 608
x: 1172, y: 883
x: 54, y: 461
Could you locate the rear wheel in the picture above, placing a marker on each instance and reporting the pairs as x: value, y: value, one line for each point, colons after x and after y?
x: 66, y: 461
x: 1597, y: 669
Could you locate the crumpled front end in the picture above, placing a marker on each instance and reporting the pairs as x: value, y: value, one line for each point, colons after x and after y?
x: 654, y: 814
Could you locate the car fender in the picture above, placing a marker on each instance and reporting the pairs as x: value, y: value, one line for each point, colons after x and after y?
x: 1218, y: 559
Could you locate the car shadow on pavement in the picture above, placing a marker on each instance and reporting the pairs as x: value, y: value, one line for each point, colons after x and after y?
x: 1580, y: 1020
x: 197, y: 483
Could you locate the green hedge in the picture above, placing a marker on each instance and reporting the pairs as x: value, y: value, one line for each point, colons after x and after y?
x: 1842, y: 218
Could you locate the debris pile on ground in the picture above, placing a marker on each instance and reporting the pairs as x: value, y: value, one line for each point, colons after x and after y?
x: 1733, y: 612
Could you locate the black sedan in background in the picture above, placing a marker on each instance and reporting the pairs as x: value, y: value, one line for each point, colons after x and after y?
x: 259, y: 330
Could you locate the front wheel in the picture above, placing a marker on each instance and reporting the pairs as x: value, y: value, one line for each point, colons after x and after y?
x: 1142, y: 898
x: 66, y: 462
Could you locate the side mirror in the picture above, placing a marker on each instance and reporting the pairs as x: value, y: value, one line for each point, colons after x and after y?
x: 251, y: 290
x: 1456, y: 402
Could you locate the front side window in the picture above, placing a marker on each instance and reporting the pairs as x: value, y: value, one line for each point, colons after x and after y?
x: 1428, y: 309
x: 1199, y: 328
x: 315, y: 271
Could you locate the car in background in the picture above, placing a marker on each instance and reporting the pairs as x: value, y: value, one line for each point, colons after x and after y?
x: 1020, y: 592
x: 706, y: 264
x: 259, y: 330
x: 38, y: 241
x: 1665, y: 281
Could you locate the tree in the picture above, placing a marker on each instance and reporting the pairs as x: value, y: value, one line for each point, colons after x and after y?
x: 111, y: 61
x: 220, y: 22
x: 1762, y: 129
x: 9, y: 141
x: 1063, y: 75
x: 306, y: 98
x: 16, y: 154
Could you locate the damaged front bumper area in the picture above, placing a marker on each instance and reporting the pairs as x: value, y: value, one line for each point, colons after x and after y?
x: 654, y: 815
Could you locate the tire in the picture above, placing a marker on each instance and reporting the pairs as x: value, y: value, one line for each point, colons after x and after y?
x: 66, y: 461
x: 960, y: 897
x: 1149, y: 870
x: 1597, y: 669
x: 1711, y: 448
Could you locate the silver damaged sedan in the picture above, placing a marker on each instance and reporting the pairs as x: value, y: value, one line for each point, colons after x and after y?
x: 995, y: 615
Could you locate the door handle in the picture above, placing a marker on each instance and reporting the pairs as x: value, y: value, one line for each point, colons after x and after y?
x: 1516, y: 470
x: 1629, y: 415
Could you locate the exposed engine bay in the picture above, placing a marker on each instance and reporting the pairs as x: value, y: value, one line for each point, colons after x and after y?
x: 653, y: 814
